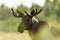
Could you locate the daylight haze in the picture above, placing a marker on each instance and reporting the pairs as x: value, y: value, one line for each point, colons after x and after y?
x: 15, y: 3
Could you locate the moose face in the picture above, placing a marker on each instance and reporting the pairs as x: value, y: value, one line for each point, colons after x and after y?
x: 26, y: 18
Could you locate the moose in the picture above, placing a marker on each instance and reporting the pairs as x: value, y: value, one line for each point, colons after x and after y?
x: 38, y: 29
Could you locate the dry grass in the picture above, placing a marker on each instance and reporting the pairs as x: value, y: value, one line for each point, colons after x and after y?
x: 18, y: 36
x: 14, y: 36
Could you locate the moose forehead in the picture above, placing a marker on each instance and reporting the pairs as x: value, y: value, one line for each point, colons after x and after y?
x: 26, y: 18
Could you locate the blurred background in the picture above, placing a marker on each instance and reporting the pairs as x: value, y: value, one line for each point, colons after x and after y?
x: 9, y: 24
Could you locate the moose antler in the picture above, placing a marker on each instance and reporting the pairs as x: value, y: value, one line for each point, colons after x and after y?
x: 35, y: 12
x: 27, y: 14
x: 15, y: 13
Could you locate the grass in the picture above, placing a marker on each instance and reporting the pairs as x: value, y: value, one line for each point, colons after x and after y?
x: 18, y: 36
x: 14, y: 36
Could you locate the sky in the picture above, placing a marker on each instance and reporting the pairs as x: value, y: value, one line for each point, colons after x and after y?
x: 15, y: 3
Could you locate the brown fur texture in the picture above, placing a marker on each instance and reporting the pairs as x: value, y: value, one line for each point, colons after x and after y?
x: 33, y: 24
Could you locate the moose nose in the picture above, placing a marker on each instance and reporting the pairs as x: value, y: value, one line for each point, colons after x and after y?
x: 20, y: 29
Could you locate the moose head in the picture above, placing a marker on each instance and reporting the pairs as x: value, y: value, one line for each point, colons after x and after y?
x: 27, y: 19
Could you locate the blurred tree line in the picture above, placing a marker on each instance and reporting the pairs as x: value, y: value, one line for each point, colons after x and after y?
x: 8, y: 23
x: 52, y: 8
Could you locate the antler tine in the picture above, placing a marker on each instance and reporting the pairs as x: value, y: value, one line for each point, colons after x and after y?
x: 32, y: 13
x: 37, y: 12
x: 15, y: 13
x: 12, y: 9
x: 27, y: 14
